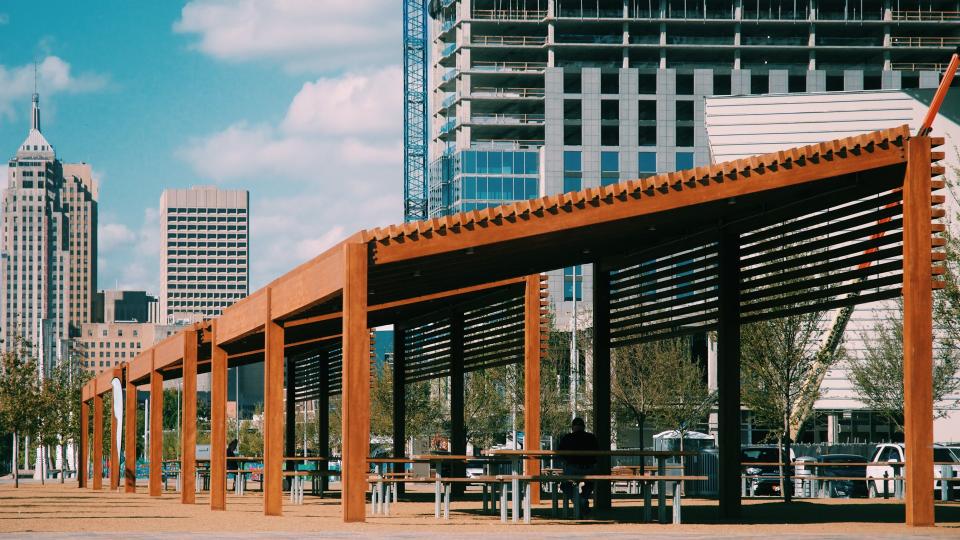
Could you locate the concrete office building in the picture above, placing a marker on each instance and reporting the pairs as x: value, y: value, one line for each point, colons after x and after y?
x: 537, y: 97
x: 103, y: 345
x: 204, y: 257
x: 125, y: 306
x: 49, y: 247
x: 738, y: 125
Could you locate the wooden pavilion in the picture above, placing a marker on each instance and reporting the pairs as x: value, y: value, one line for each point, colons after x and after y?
x: 811, y: 228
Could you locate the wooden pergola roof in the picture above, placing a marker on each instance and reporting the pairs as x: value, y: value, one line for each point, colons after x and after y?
x: 816, y: 227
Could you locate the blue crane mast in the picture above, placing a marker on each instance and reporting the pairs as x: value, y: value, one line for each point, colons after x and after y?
x: 415, y: 110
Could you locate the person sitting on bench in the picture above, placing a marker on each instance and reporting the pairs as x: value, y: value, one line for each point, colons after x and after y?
x: 231, y: 463
x: 581, y: 440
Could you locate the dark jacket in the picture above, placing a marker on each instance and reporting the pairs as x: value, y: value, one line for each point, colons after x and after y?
x: 580, y: 440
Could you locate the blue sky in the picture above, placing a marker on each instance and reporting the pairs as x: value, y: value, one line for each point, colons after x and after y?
x: 296, y: 100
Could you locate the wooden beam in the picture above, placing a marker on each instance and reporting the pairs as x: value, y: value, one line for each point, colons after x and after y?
x: 114, y: 447
x: 188, y: 419
x: 156, y: 432
x: 290, y: 415
x: 531, y: 378
x: 97, y: 441
x: 272, y: 413
x: 84, y: 444
x: 636, y: 204
x: 130, y: 436
x: 323, y: 413
x: 356, y: 383
x: 458, y: 429
x: 218, y: 424
x: 918, y: 335
x: 601, y: 377
x: 399, y: 394
x: 728, y: 376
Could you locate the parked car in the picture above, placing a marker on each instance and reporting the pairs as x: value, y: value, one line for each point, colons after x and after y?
x: 756, y: 459
x: 846, y: 487
x: 889, y: 453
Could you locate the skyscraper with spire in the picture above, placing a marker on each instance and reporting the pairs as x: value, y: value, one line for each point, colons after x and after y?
x: 48, y: 247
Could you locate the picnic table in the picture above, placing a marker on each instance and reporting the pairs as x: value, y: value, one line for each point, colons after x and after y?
x: 517, y: 456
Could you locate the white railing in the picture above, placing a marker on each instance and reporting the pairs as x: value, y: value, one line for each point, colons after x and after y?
x: 508, y: 41
x: 919, y: 15
x: 486, y: 91
x: 509, y: 14
x: 507, y: 119
x: 924, y: 41
x: 508, y: 66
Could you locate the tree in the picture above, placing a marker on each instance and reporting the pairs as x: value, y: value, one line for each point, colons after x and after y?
x: 684, y: 399
x: 19, y: 395
x: 659, y: 381
x: 877, y: 376
x: 486, y: 406
x: 62, y: 391
x: 778, y: 357
x: 381, y: 402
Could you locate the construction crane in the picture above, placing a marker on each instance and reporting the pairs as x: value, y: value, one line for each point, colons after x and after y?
x: 414, y: 110
x: 842, y: 316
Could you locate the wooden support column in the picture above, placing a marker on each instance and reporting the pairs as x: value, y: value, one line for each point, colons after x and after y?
x: 290, y: 416
x: 918, y: 334
x: 84, y: 444
x: 356, y: 383
x: 399, y: 396
x: 97, y: 440
x: 601, y: 377
x: 156, y: 432
x: 130, y: 436
x: 218, y: 424
x: 458, y: 430
x: 188, y: 420
x: 273, y: 415
x: 114, y: 447
x: 728, y: 376
x: 323, y: 414
x: 531, y: 378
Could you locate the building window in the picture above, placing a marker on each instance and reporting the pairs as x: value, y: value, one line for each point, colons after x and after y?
x: 647, y: 164
x: 572, y: 171
x: 609, y: 168
x: 684, y: 160
x: 573, y: 283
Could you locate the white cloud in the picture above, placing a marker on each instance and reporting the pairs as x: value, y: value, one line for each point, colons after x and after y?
x: 315, y: 177
x: 54, y: 76
x: 131, y: 255
x: 354, y: 104
x: 113, y: 235
x: 302, y: 34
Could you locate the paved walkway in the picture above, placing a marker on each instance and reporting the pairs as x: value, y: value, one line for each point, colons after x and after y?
x: 58, y: 511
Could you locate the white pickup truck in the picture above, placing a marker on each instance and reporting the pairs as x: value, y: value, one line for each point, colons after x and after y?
x: 888, y: 453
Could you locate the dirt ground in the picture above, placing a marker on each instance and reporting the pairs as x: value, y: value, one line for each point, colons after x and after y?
x: 68, y: 509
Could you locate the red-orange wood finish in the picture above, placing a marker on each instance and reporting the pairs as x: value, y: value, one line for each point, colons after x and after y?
x: 918, y: 334
x: 188, y: 418
x: 156, y: 433
x: 356, y: 383
x: 84, y: 444
x: 130, y: 435
x: 218, y: 424
x: 531, y: 377
x: 272, y: 414
x: 97, y: 441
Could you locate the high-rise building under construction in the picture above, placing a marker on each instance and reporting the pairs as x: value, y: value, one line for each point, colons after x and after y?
x: 536, y: 97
